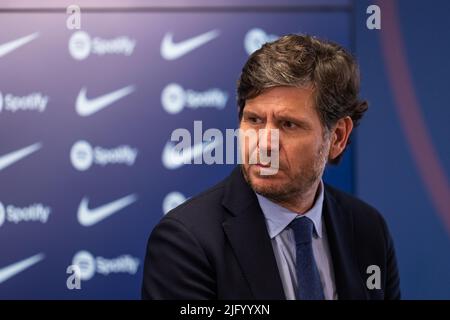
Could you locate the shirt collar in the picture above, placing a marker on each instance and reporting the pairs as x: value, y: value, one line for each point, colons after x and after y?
x: 278, y: 217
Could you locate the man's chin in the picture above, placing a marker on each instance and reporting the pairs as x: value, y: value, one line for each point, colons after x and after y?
x: 264, y: 184
x: 269, y: 190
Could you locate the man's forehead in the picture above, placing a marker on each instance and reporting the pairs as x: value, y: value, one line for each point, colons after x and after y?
x: 284, y: 99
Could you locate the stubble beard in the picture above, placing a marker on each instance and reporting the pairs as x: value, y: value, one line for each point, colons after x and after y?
x: 298, y: 185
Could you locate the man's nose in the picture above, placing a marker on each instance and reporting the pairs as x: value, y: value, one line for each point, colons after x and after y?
x: 265, y: 138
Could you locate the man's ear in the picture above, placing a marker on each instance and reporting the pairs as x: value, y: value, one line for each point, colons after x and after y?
x: 339, y: 137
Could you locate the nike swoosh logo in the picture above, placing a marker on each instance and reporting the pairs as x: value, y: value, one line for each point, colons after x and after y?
x: 15, y: 44
x: 86, y: 107
x: 15, y: 268
x: 12, y: 157
x: 88, y: 217
x: 172, y: 159
x: 172, y: 51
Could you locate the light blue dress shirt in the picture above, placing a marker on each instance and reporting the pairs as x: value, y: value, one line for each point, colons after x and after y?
x: 283, y: 243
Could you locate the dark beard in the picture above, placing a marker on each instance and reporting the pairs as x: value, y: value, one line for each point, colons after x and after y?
x: 298, y: 186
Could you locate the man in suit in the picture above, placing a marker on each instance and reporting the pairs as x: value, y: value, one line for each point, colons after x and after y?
x: 284, y: 235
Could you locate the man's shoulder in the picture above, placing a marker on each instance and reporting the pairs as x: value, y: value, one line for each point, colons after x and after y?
x: 349, y: 201
x: 364, y: 215
x: 202, y: 208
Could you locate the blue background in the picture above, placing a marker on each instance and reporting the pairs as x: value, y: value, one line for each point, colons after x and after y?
x: 379, y: 166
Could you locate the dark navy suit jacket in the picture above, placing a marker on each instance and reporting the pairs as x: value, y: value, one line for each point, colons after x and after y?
x: 216, y: 246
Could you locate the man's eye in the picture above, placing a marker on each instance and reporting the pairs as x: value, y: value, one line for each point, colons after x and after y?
x: 254, y: 120
x: 289, y: 124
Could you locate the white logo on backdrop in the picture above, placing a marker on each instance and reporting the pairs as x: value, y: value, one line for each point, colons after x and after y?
x: 172, y: 200
x: 88, y: 217
x: 173, y: 159
x: 10, y: 46
x: 35, y: 101
x: 14, y: 156
x: 81, y: 45
x: 171, y: 50
x: 255, y: 38
x: 2, y: 214
x: 14, y: 269
x: 83, y: 155
x: 90, y: 265
x: 174, y: 98
x: 36, y: 212
x: 87, y: 107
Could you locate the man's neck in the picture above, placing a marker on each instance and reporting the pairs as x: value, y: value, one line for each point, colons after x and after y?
x: 300, y: 203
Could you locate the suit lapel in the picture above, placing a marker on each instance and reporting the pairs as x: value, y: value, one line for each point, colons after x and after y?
x: 339, y: 226
x: 247, y: 233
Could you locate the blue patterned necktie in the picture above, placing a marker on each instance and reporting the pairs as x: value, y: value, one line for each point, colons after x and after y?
x: 308, y: 278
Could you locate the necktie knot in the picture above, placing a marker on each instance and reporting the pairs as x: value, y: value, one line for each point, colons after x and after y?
x: 303, y: 230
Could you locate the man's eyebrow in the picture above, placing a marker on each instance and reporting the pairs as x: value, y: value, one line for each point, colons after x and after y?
x: 250, y: 113
x: 299, y: 121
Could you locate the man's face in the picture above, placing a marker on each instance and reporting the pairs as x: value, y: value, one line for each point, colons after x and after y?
x: 303, y: 142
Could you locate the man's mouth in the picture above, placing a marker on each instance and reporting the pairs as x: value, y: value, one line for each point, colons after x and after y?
x: 260, y: 165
